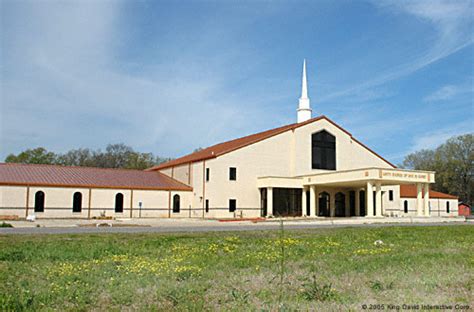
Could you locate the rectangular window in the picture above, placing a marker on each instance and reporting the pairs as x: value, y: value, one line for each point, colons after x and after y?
x: 208, y: 173
x: 390, y: 195
x: 207, y: 205
x: 232, y: 205
x: 232, y: 174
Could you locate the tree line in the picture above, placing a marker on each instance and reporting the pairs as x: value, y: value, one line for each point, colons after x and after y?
x: 114, y: 156
x: 453, y: 162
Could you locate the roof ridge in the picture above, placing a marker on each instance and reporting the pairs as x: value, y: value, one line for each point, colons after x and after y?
x: 67, y: 166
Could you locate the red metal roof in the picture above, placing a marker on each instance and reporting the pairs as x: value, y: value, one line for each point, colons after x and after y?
x: 64, y: 176
x: 409, y: 190
x: 226, y: 147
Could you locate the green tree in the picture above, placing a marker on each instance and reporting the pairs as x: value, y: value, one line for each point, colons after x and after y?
x: 37, y: 155
x: 453, y: 162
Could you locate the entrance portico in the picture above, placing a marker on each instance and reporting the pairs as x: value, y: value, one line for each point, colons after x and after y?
x: 350, y: 193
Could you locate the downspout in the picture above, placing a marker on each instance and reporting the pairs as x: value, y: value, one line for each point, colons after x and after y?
x: 131, y: 203
x: 27, y: 199
x: 89, y: 209
x: 203, y: 187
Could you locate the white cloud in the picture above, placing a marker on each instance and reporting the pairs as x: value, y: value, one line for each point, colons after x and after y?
x: 437, y: 137
x: 448, y: 92
x: 452, y: 24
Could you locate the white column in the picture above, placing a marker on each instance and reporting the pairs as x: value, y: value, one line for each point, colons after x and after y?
x: 303, y: 203
x: 426, y: 200
x: 312, y: 201
x: 369, y: 199
x: 269, y: 201
x: 378, y: 199
x: 332, y: 204
x: 357, y: 202
x: 419, y: 195
x: 348, y: 204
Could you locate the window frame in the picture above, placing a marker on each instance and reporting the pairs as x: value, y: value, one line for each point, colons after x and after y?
x: 325, y: 149
x: 405, y: 206
x: 390, y: 195
x: 232, y: 202
x: 448, y: 210
x: 232, y: 173
x: 119, y: 199
x: 206, y: 205
x: 176, y: 203
x: 76, y: 205
x: 40, y: 198
x: 208, y: 174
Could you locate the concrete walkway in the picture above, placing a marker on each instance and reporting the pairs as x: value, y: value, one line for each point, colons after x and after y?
x: 55, y: 226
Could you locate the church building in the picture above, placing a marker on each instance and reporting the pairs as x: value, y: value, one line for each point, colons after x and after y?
x: 312, y: 168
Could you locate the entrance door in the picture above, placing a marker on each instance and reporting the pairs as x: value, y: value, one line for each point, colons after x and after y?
x: 287, y: 202
x: 362, y: 203
x: 352, y: 203
x: 340, y: 205
x: 323, y: 201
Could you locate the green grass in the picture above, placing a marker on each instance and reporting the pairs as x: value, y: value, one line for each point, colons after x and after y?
x: 324, y: 269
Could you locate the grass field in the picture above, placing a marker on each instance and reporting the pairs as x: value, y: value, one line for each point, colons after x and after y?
x: 324, y: 269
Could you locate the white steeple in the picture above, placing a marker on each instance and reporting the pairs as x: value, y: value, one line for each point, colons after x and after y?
x: 304, y: 109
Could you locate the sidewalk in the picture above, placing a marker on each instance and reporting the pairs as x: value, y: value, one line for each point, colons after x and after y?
x: 190, y: 222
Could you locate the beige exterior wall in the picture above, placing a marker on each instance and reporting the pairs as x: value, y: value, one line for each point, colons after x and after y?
x: 437, y: 207
x: 58, y: 202
x: 349, y: 154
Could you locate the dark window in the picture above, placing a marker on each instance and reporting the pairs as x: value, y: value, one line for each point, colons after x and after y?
x: 119, y: 203
x: 232, y: 173
x: 390, y: 195
x: 323, y: 148
x: 323, y: 204
x: 405, y: 206
x: 232, y: 205
x: 208, y: 173
x: 39, y: 201
x: 447, y: 207
x: 176, y: 203
x: 77, y: 202
x: 207, y: 205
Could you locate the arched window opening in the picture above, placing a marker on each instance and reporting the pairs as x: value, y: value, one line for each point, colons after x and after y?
x: 39, y: 201
x: 323, y: 203
x: 119, y: 203
x: 340, y: 199
x: 447, y: 206
x: 176, y: 203
x: 323, y: 148
x: 77, y: 202
x: 405, y: 206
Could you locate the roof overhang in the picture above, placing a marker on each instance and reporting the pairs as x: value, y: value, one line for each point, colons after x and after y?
x: 351, y: 178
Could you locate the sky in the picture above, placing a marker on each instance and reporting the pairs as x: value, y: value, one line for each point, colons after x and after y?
x: 170, y: 76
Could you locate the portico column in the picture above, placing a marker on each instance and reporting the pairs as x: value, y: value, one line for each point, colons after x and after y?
x: 357, y: 202
x: 378, y: 199
x: 369, y: 199
x: 419, y: 204
x: 312, y: 201
x: 332, y: 205
x: 347, y: 204
x: 269, y: 201
x: 303, y: 203
x: 426, y: 200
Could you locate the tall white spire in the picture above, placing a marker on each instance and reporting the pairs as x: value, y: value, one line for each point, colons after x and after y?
x: 304, y: 108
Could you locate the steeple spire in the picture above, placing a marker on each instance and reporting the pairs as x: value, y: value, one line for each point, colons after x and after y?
x: 304, y: 83
x: 304, y: 109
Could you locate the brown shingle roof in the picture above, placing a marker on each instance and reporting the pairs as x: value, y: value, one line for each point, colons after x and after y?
x: 50, y: 175
x: 409, y: 190
x: 226, y: 147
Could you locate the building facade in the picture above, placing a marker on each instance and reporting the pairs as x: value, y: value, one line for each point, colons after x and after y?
x: 311, y: 168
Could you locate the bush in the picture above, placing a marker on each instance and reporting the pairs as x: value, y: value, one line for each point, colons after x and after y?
x: 6, y: 225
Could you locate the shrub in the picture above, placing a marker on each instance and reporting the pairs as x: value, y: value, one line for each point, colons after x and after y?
x: 6, y: 225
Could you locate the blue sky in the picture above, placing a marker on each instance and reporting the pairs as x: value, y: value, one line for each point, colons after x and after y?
x: 169, y: 76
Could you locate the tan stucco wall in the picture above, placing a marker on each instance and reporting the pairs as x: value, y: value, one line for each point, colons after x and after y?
x: 437, y: 205
x: 287, y: 154
x: 58, y: 202
x: 349, y: 153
